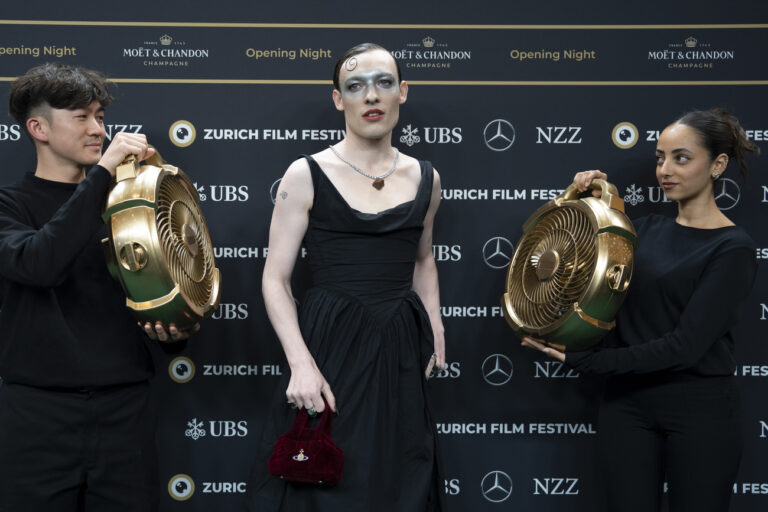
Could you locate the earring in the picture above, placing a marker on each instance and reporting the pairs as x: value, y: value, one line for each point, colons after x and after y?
x: 716, y: 176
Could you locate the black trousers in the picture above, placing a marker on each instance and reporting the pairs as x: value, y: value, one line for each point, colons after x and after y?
x: 681, y: 429
x: 77, y: 450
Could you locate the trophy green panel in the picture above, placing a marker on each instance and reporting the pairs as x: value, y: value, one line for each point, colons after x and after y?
x: 575, y: 334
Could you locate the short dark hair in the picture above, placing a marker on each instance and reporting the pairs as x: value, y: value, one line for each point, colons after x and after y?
x: 720, y: 132
x: 357, y: 50
x: 58, y: 85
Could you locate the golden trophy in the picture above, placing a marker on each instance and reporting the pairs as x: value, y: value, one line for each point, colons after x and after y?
x: 159, y: 248
x: 571, y: 269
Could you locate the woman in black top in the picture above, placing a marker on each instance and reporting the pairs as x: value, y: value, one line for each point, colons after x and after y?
x: 671, y: 408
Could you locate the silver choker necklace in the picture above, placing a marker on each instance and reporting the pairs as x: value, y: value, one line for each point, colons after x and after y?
x: 378, y: 181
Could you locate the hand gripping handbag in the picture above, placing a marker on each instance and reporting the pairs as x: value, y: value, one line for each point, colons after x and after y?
x: 308, y: 455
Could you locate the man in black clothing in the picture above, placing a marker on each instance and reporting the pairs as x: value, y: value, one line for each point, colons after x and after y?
x: 76, y: 426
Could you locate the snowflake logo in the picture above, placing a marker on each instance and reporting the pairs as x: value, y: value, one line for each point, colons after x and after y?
x: 409, y: 136
x: 195, y: 430
x: 634, y: 195
x: 200, y: 191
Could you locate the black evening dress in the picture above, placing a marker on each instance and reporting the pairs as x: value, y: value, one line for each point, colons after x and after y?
x: 371, y: 338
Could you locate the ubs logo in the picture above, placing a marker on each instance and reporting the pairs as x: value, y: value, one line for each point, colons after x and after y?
x: 219, y: 428
x: 727, y: 193
x: 452, y: 371
x: 499, y: 135
x: 497, y: 252
x: 181, y: 370
x: 196, y: 429
x: 182, y: 133
x: 446, y: 252
x: 181, y: 487
x: 223, y: 193
x: 10, y: 133
x: 496, y: 486
x: 227, y: 311
x: 625, y: 135
x: 497, y: 369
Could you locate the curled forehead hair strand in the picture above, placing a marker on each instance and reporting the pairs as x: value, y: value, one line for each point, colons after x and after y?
x: 357, y: 50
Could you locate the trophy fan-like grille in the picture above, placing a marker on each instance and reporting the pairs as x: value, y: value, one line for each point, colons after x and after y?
x: 185, y: 241
x: 553, y: 266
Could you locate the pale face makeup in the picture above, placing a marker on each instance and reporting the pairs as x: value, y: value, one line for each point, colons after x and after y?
x: 370, y: 95
x: 357, y: 84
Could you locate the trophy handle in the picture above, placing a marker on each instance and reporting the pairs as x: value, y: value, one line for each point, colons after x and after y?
x: 130, y: 167
x: 155, y: 159
x: 610, y: 194
x: 127, y: 170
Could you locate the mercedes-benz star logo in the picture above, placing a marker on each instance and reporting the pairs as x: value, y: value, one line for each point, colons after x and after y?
x: 499, y: 135
x: 727, y: 193
x: 497, y: 252
x: 496, y: 486
x: 497, y: 369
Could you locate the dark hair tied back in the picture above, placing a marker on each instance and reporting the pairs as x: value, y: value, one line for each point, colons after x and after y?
x: 721, y: 132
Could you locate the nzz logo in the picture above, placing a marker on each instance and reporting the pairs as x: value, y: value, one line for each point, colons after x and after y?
x: 223, y: 193
x: 556, y: 486
x: 558, y: 135
x: 112, y: 129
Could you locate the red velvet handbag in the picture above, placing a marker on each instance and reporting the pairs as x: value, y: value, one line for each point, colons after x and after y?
x: 308, y: 455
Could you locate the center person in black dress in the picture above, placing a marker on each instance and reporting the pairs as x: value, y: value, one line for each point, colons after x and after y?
x: 368, y: 332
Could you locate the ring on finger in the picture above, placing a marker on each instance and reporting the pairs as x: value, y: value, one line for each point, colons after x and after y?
x: 312, y: 412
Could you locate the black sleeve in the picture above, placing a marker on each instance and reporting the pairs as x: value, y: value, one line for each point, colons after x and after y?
x: 709, y: 314
x: 41, y: 257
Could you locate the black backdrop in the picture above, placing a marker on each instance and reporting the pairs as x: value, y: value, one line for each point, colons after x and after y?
x: 246, y: 88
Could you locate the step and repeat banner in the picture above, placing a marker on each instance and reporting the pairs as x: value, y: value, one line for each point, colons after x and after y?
x: 507, y: 114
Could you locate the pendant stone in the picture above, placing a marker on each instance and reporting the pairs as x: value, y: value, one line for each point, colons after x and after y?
x: 378, y: 184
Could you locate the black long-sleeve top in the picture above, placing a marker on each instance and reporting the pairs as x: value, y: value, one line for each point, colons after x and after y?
x: 687, y: 289
x: 63, y: 319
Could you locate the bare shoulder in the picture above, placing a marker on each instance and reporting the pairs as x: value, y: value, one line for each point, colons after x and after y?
x: 298, y: 171
x: 297, y: 184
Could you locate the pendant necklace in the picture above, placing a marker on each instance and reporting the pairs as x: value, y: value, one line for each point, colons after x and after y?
x: 378, y: 181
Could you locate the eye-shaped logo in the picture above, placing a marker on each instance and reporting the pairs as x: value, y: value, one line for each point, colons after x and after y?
x: 181, y: 487
x: 182, y: 133
x: 727, y: 193
x: 497, y: 252
x: 497, y: 369
x: 496, y: 486
x: 181, y: 370
x: 273, y: 190
x: 625, y: 135
x: 499, y: 135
